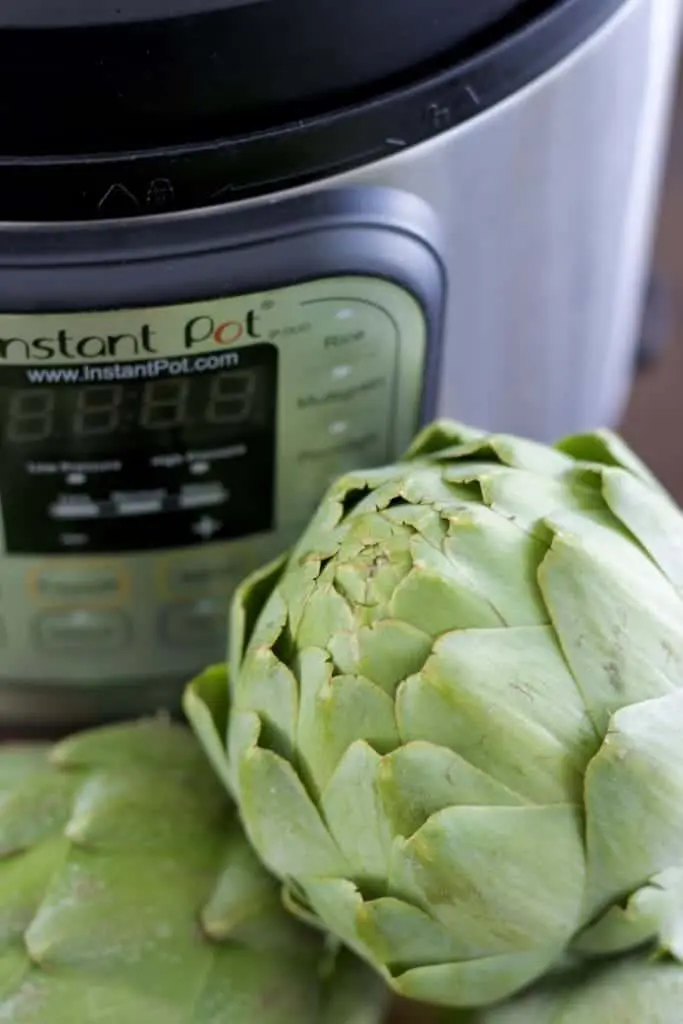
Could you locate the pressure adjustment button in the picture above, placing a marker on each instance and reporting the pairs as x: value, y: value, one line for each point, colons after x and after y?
x: 82, y: 630
x: 195, y: 623
x: 101, y: 584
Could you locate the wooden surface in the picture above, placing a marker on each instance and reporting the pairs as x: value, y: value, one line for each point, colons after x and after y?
x: 409, y: 1015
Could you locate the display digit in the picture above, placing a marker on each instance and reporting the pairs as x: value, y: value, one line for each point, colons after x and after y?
x: 31, y: 415
x: 98, y: 410
x: 164, y: 405
x: 231, y: 398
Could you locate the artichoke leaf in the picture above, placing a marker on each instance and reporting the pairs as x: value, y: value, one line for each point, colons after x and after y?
x: 335, y: 712
x: 257, y: 613
x: 283, y: 823
x: 205, y: 703
x: 528, y: 500
x: 400, y: 933
x: 633, y: 990
x: 507, y: 450
x: 270, y: 689
x: 355, y: 815
x: 475, y: 983
x: 339, y: 904
x: 133, y: 925
x: 500, y: 561
x: 327, y: 612
x: 439, y: 436
x: 387, y: 652
x: 356, y: 997
x: 653, y: 914
x: 257, y: 989
x: 439, y: 602
x: 617, y: 931
x: 511, y: 879
x: 420, y: 779
x: 605, y: 448
x: 505, y: 701
x: 241, y: 892
x: 14, y: 969
x: 651, y: 517
x: 634, y: 792
x: 23, y: 882
x: 617, y: 619
x: 71, y: 997
x: 152, y: 742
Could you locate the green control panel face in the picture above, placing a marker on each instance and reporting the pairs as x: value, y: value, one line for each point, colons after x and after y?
x: 149, y: 458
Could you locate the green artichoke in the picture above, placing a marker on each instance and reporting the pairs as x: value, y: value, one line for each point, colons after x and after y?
x: 457, y: 733
x: 128, y: 893
x: 634, y: 991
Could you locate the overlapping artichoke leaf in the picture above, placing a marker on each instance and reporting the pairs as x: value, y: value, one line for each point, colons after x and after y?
x: 634, y: 830
x: 635, y: 990
x: 605, y: 448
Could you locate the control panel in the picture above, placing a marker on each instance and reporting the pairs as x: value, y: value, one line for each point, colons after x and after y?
x: 150, y: 458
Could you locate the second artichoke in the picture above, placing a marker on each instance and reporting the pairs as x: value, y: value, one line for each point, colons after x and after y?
x: 129, y: 895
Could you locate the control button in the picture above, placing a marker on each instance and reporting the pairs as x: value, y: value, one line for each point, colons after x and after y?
x: 346, y: 313
x: 338, y: 428
x: 74, y: 506
x: 333, y: 456
x: 203, y: 495
x: 351, y: 331
x: 81, y: 630
x: 73, y: 540
x: 188, y: 576
x: 101, y: 583
x: 195, y: 623
x: 330, y: 389
x: 206, y: 527
x: 140, y: 503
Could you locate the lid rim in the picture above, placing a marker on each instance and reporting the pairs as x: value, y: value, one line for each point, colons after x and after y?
x: 236, y: 69
x: 35, y: 14
x: 159, y: 182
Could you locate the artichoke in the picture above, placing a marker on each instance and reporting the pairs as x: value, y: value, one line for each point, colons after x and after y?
x: 634, y: 991
x: 458, y: 720
x: 128, y: 893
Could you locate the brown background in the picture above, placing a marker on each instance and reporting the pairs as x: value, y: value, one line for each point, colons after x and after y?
x: 654, y: 421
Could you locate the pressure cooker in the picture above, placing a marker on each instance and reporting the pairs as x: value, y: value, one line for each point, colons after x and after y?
x: 248, y: 245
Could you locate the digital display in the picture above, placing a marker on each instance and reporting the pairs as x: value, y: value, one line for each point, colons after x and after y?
x: 136, y: 456
x: 231, y: 400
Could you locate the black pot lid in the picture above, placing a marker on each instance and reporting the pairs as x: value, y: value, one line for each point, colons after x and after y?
x: 105, y: 75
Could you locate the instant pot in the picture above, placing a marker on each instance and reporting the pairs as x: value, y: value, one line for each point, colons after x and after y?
x: 246, y: 246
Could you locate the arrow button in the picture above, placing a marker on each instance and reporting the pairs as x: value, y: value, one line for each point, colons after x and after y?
x: 206, y: 527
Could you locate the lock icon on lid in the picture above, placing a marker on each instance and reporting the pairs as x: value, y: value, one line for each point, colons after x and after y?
x: 160, y: 194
